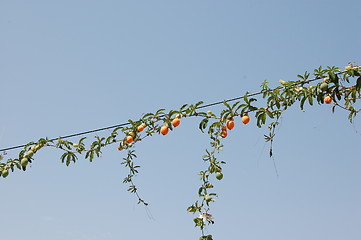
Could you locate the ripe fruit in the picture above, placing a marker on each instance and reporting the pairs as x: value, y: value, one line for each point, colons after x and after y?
x: 129, y: 139
x: 176, y: 122
x: 324, y: 86
x: 219, y: 175
x: 141, y: 127
x: 4, y: 173
x: 164, y: 130
x: 245, y: 119
x: 327, y: 99
x: 24, y: 162
x: 224, y: 132
x: 230, y: 124
x: 132, y: 134
x: 120, y: 148
x: 348, y: 68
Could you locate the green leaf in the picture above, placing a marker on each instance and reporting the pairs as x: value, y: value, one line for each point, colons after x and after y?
x: 191, y: 209
x: 160, y: 111
x: 260, y: 119
x: 333, y: 78
x: 198, y: 104
x: 310, y: 99
x: 245, y: 98
x: 269, y: 113
x: 264, y: 117
x: 198, y: 221
x: 68, y: 160
x: 337, y: 93
x: 203, y: 124
x: 144, y: 117
x: 183, y: 107
x: 303, y: 102
x: 227, y: 105
x: 358, y: 84
x: 353, y: 94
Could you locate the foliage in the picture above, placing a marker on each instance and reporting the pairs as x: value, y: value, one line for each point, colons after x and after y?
x: 342, y: 88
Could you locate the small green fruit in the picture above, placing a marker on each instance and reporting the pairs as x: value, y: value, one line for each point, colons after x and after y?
x: 324, y: 86
x: 219, y: 175
x: 4, y: 173
x: 29, y: 154
x: 24, y: 162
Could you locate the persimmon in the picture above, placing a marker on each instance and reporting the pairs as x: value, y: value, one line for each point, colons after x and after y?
x: 245, y: 119
x: 141, y: 127
x: 164, y: 130
x: 129, y: 139
x: 327, y: 99
x: 120, y: 148
x: 176, y: 122
x: 230, y: 124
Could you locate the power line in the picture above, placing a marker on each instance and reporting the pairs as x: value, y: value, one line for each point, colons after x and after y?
x: 125, y: 124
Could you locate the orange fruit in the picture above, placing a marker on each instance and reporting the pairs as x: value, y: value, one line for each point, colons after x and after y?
x: 230, y: 124
x: 141, y: 127
x: 224, y: 132
x: 129, y: 139
x: 120, y: 148
x: 164, y: 130
x: 327, y: 99
x: 245, y: 119
x: 176, y: 122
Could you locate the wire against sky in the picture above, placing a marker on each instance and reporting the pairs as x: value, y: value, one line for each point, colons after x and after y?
x: 125, y: 124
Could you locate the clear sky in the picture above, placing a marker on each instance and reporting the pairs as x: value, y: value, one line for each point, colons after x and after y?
x: 71, y: 66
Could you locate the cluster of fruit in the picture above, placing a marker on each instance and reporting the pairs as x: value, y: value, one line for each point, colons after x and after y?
x: 230, y: 125
x: 163, y: 130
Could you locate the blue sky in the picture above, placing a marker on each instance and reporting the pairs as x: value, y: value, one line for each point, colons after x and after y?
x: 71, y: 66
